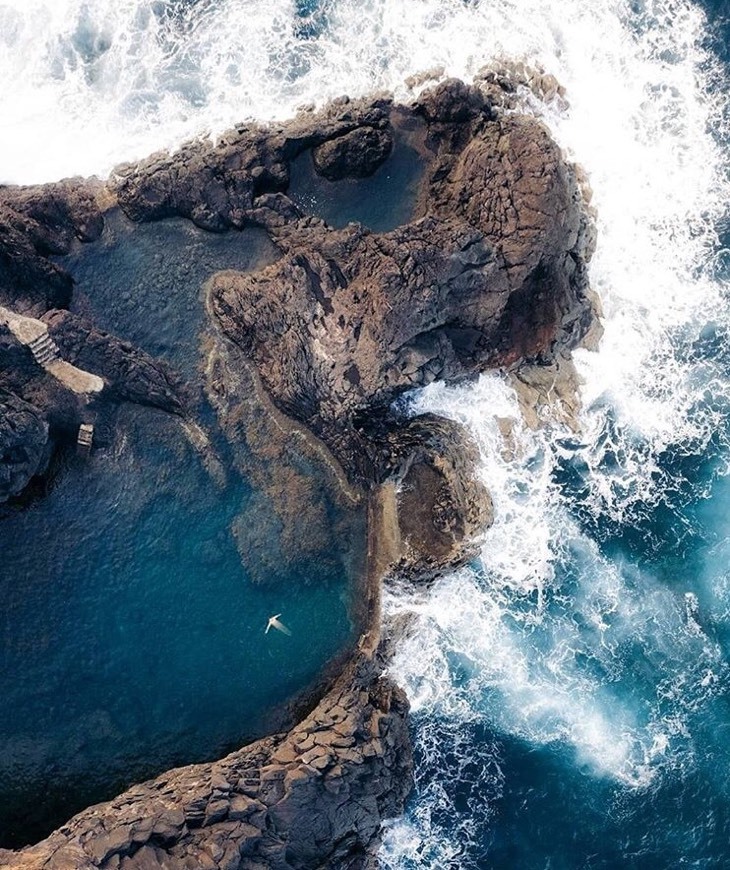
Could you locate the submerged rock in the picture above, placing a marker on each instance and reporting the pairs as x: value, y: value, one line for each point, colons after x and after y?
x: 24, y: 445
x: 490, y: 271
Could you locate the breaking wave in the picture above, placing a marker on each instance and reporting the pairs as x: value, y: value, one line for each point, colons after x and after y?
x: 592, y: 625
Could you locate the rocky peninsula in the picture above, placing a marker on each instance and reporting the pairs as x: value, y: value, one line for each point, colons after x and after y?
x: 488, y: 271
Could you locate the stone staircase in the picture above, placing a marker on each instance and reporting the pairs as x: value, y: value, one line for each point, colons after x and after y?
x: 44, y: 349
x: 33, y: 333
x: 85, y: 437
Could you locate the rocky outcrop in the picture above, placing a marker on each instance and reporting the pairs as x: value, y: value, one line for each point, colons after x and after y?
x: 24, y: 446
x: 356, y: 154
x: 303, y: 518
x: 313, y: 798
x: 132, y: 375
x: 34, y: 223
x: 43, y: 405
x: 489, y: 271
x: 221, y: 185
x: 442, y: 508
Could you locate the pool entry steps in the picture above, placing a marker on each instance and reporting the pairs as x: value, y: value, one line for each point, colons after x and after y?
x: 34, y: 335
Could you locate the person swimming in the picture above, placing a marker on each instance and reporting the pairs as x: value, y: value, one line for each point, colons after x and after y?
x: 274, y: 622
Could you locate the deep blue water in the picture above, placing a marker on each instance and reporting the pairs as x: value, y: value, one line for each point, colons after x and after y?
x: 608, y: 746
x: 131, y: 638
x: 667, y: 672
x: 614, y: 752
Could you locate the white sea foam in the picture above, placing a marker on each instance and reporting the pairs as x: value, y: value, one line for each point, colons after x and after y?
x: 529, y: 644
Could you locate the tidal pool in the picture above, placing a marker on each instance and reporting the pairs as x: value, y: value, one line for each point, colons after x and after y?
x: 132, y: 639
x: 144, y: 282
x: 385, y: 200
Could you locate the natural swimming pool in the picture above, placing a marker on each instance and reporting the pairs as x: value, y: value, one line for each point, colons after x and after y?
x: 132, y: 636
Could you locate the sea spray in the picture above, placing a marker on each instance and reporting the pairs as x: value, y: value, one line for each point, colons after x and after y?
x: 566, y: 634
x: 556, y: 639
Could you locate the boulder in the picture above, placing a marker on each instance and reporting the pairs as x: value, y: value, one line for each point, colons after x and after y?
x: 442, y: 506
x: 356, y: 154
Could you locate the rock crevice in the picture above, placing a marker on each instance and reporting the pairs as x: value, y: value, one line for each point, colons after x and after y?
x: 490, y: 273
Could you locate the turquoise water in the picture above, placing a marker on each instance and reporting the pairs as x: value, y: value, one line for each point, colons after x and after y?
x: 132, y: 639
x: 570, y: 689
x: 583, y: 722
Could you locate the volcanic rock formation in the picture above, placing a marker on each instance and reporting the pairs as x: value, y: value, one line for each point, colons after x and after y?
x: 488, y: 272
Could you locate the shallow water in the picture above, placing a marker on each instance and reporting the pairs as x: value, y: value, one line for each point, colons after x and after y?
x: 382, y: 202
x: 570, y: 690
x: 132, y: 638
x: 145, y: 282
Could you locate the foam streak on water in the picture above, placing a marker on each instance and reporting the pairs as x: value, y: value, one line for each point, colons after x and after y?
x: 568, y: 633
x: 551, y: 641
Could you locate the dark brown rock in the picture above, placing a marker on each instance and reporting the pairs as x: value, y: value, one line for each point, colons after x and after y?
x: 133, y: 375
x: 216, y: 185
x: 38, y: 221
x: 270, y: 805
x: 443, y: 508
x: 24, y: 444
x: 29, y: 283
x: 453, y: 102
x: 356, y: 154
x: 491, y: 274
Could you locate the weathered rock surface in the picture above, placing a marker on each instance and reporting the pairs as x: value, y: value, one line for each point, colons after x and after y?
x: 442, y: 506
x: 24, y: 447
x: 132, y: 375
x: 489, y: 272
x: 311, y: 799
x: 354, y: 155
x: 38, y: 221
x: 217, y: 185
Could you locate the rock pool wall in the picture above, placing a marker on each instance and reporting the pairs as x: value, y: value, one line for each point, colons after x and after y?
x: 488, y: 272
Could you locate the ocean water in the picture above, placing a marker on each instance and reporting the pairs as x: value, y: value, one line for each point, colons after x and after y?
x: 569, y: 689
